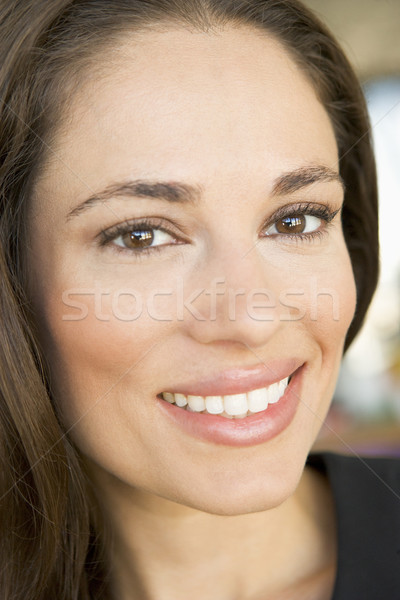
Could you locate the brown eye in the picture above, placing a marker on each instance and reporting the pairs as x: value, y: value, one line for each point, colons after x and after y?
x: 141, y: 238
x: 295, y: 224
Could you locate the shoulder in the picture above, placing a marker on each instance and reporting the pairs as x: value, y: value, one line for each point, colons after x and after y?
x: 366, y: 494
x: 379, y: 475
x: 365, y: 490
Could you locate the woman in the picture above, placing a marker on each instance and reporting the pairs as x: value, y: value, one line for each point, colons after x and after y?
x: 188, y: 244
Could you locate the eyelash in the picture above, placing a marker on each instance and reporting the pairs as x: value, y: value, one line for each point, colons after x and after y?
x: 110, y: 235
x: 323, y: 212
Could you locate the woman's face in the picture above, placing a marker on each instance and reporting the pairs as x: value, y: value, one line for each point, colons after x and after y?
x: 186, y: 238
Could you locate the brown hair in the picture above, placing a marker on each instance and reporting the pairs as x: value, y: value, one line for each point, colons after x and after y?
x: 49, y: 547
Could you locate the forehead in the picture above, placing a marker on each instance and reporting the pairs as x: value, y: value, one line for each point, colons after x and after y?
x: 183, y: 105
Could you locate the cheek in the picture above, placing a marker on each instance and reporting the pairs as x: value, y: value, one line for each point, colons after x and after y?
x: 95, y: 339
x: 333, y: 304
x: 321, y: 309
x: 322, y: 298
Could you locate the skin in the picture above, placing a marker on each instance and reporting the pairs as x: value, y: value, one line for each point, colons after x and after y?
x: 229, y: 112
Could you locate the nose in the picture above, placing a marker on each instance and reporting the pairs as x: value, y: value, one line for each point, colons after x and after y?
x: 234, y: 298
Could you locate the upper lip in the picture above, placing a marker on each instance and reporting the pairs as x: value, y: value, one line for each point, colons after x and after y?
x: 239, y: 380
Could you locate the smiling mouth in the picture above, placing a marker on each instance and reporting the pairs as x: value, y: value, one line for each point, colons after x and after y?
x: 236, y: 406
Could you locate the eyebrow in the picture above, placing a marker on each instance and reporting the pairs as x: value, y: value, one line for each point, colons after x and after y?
x: 181, y: 193
x: 303, y: 177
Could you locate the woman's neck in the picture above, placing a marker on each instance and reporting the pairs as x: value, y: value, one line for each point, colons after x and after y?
x: 162, y: 550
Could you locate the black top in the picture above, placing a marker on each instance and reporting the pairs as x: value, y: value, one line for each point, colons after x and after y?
x: 366, y: 494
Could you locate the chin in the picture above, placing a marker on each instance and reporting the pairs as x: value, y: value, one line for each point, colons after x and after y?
x: 243, y: 491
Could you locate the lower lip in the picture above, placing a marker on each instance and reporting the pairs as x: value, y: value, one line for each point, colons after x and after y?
x: 248, y: 431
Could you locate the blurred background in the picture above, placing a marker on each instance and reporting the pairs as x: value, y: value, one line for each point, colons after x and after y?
x: 365, y: 415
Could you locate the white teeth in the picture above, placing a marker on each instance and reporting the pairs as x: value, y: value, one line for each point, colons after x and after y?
x: 236, y: 405
x: 276, y: 391
x: 225, y: 414
x: 214, y: 405
x: 273, y: 393
x: 180, y: 400
x: 231, y: 406
x: 196, y: 403
x: 169, y: 397
x: 283, y: 385
x: 257, y: 400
